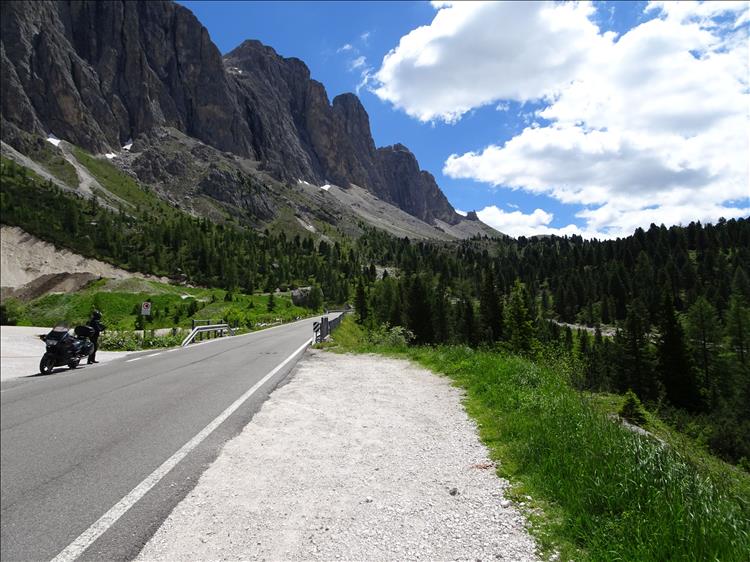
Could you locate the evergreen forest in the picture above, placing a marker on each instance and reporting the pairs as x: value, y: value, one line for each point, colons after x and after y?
x: 664, y: 312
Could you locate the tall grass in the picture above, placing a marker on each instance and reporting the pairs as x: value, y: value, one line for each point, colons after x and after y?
x: 610, y: 494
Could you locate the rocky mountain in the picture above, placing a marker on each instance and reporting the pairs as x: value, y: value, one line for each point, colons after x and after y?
x: 98, y: 74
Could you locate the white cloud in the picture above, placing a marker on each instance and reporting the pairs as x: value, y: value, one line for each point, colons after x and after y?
x: 476, y: 53
x: 345, y: 47
x: 460, y: 212
x: 365, y: 37
x: 359, y: 62
x: 516, y: 223
x: 648, y: 127
x: 610, y: 220
x: 701, y: 12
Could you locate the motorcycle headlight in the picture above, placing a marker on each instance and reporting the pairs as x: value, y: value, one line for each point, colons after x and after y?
x: 52, y: 342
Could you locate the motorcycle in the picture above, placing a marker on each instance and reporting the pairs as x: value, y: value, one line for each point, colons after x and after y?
x: 64, y: 348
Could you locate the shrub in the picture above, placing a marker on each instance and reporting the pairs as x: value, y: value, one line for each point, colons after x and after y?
x: 10, y: 311
x: 133, y: 341
x: 395, y: 337
x: 632, y: 409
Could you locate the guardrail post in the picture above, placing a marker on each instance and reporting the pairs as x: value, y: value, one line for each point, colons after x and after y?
x: 217, y: 329
x: 316, y: 332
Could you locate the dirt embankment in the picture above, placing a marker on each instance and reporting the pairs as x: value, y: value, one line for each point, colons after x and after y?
x: 30, y: 267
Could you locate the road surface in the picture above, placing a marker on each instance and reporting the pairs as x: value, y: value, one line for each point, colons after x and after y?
x: 111, y: 441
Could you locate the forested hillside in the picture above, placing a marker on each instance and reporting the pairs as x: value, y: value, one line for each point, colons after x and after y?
x: 675, y: 303
x: 667, y: 308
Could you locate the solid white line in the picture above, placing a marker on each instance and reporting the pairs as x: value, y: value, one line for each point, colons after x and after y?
x: 87, y: 538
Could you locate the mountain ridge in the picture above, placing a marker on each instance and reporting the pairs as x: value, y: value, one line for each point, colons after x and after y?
x: 101, y: 74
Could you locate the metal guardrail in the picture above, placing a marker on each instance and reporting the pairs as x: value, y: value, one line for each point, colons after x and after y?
x: 322, y: 329
x: 217, y: 328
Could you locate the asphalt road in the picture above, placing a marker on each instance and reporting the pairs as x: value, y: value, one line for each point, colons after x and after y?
x: 75, y: 443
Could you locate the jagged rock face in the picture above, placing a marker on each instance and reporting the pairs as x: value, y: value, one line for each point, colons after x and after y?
x: 298, y: 133
x: 240, y: 191
x: 100, y: 73
x: 410, y: 188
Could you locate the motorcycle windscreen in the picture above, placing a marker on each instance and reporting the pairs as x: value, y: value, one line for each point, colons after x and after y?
x: 58, y: 333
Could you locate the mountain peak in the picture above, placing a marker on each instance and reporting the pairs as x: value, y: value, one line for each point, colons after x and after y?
x: 162, y: 71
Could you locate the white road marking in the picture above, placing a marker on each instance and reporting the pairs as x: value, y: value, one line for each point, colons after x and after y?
x: 153, y: 354
x: 133, y: 359
x: 87, y: 538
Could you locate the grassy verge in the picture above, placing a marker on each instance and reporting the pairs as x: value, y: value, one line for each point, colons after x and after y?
x: 603, y: 492
x: 172, y: 306
x: 132, y: 341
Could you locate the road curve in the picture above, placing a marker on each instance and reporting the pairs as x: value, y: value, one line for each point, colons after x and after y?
x: 76, y: 443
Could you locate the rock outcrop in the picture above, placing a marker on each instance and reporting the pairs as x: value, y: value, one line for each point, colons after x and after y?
x: 100, y: 73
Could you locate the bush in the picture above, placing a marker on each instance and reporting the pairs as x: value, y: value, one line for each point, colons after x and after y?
x: 133, y: 341
x: 10, y: 312
x: 632, y: 409
x: 396, y: 337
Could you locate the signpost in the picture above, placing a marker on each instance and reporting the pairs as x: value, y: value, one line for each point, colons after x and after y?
x: 146, y: 309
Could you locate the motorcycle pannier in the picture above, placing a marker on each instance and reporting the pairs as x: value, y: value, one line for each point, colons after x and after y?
x: 84, y: 331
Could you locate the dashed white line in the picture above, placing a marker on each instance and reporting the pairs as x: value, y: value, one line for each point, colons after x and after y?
x: 133, y: 359
x: 87, y: 538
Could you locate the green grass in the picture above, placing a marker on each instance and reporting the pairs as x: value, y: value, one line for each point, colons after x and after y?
x: 697, y: 452
x: 134, y: 341
x: 116, y: 181
x: 8, y: 164
x: 52, y: 159
x: 602, y: 492
x: 172, y: 306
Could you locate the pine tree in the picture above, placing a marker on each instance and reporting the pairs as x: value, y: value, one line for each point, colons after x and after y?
x: 418, y: 313
x: 466, y: 328
x: 673, y: 361
x: 360, y: 302
x: 738, y: 330
x: 518, y: 322
x: 637, y: 366
x: 741, y: 284
x: 271, y: 306
x: 440, y: 315
x: 703, y: 332
x: 490, y: 315
x: 315, y: 298
x: 395, y: 311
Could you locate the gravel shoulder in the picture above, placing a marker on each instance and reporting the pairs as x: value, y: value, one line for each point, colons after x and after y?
x: 358, y: 457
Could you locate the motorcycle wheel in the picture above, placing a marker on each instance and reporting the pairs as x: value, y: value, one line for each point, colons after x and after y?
x: 73, y: 364
x: 47, y: 364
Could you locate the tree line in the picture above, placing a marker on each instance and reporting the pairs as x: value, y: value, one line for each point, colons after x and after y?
x: 677, y: 298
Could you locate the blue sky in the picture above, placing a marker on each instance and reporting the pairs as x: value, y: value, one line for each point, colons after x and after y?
x: 473, y: 81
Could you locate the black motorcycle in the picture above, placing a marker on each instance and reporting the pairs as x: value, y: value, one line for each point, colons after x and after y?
x: 64, y: 348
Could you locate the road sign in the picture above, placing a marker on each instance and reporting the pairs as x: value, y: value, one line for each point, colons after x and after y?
x: 146, y: 309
